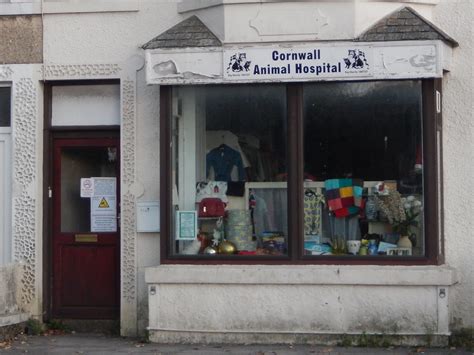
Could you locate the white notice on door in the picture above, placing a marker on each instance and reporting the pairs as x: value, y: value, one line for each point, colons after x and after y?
x: 104, y: 205
x: 105, y: 186
x: 87, y: 187
x: 103, y: 223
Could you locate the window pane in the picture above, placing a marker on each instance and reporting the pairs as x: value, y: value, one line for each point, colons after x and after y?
x: 229, y: 170
x: 358, y: 136
x: 77, y: 163
x: 5, y: 104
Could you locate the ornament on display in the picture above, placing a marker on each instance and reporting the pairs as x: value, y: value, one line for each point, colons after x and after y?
x: 192, y: 248
x: 216, y: 238
x: 210, y: 251
x: 226, y: 247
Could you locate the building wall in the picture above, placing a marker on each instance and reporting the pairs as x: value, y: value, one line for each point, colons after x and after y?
x: 9, y: 277
x: 25, y: 195
x: 97, y: 44
x: 11, y: 307
x: 22, y: 39
x: 219, y: 316
x: 122, y: 34
x: 456, y: 16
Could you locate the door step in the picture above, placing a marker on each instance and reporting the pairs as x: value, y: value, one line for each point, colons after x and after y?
x: 94, y: 326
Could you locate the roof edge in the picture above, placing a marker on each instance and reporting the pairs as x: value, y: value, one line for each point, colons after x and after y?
x: 445, y: 37
x: 216, y: 42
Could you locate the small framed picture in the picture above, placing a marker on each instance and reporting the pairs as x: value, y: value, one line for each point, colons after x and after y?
x: 186, y: 225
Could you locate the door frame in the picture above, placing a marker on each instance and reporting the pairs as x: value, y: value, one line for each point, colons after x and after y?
x: 68, y: 132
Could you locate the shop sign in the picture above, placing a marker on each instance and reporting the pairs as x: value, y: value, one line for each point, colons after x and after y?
x: 293, y: 63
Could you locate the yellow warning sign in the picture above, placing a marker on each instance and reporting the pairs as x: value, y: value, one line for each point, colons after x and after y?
x: 103, y: 203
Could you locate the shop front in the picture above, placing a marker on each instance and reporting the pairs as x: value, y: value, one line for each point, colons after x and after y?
x: 300, y: 188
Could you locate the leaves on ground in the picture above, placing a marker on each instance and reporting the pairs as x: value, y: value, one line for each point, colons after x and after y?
x: 5, y: 345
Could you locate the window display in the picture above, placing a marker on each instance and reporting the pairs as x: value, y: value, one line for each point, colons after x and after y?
x: 363, y: 140
x: 236, y: 150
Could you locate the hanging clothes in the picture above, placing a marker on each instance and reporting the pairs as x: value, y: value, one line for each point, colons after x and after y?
x: 215, y: 138
x: 222, y: 160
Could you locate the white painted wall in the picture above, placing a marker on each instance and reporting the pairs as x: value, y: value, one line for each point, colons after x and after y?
x: 110, y: 37
x: 456, y: 16
x: 148, y: 150
x: 86, y: 105
x: 267, y: 21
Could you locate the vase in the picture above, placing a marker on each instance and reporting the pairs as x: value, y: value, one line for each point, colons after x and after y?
x: 404, y: 242
x: 373, y: 248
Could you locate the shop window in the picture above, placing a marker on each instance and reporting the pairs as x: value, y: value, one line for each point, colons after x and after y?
x: 363, y: 148
x: 312, y: 173
x: 227, y: 142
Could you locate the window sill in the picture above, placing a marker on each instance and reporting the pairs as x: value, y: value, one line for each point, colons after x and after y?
x: 303, y: 275
x: 10, y: 9
x: 65, y: 6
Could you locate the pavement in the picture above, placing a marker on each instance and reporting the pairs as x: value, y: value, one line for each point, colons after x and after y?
x: 79, y: 343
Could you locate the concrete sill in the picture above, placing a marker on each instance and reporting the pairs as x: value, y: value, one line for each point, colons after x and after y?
x: 302, y: 275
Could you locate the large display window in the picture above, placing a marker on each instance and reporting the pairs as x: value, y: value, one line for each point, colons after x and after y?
x: 316, y: 172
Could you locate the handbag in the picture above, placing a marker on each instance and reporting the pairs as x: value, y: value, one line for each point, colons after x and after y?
x: 211, y: 207
x: 215, y: 189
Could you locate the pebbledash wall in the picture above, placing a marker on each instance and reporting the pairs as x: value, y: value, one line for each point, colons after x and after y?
x: 101, y: 40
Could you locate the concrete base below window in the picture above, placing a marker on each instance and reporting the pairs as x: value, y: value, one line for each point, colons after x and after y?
x: 299, y: 304
x: 379, y: 340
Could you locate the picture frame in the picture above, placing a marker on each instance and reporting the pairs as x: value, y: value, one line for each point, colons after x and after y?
x: 186, y: 225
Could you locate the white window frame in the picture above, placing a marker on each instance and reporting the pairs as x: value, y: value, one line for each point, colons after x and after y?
x: 6, y: 191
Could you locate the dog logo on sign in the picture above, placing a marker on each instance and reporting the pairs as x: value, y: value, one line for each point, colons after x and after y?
x: 239, y: 63
x: 356, y: 59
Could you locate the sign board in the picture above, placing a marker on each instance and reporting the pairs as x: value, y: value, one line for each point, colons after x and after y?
x: 299, y: 62
x: 104, y: 205
x: 87, y: 187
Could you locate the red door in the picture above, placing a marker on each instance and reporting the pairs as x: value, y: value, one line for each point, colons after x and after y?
x: 86, y: 239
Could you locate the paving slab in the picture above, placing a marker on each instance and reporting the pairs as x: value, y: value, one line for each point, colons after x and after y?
x: 79, y: 343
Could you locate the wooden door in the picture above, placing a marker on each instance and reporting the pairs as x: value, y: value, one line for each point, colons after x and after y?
x: 86, y: 243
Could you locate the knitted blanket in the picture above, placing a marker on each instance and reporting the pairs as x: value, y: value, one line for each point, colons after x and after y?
x: 344, y: 196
